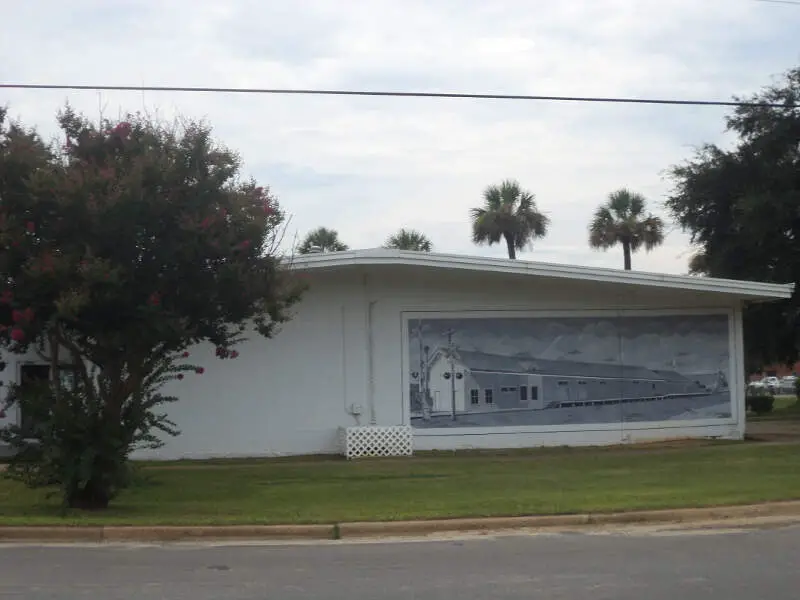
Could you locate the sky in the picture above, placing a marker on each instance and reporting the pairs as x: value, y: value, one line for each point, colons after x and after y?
x: 687, y: 344
x: 368, y: 166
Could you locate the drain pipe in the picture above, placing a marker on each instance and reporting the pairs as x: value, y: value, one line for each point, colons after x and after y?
x: 371, y: 363
x: 369, y: 306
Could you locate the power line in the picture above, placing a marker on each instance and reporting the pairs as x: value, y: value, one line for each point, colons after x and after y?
x: 795, y: 2
x: 322, y: 92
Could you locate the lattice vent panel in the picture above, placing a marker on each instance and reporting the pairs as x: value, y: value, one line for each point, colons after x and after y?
x: 378, y: 441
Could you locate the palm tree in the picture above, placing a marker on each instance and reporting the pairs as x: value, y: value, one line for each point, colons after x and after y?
x: 508, y: 213
x: 622, y: 220
x: 409, y: 239
x: 327, y: 240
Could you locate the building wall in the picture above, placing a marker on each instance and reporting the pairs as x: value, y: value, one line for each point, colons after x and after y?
x: 776, y: 371
x: 345, y: 353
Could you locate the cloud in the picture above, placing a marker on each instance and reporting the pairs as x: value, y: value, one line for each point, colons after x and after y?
x: 368, y: 166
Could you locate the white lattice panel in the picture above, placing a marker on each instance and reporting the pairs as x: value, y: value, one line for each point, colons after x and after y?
x: 378, y: 441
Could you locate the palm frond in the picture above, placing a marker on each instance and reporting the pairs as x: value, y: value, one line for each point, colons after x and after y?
x: 511, y: 192
x: 652, y: 232
x: 604, y: 232
x: 492, y: 198
x: 326, y: 239
x: 409, y: 239
x: 626, y: 204
x: 486, y: 228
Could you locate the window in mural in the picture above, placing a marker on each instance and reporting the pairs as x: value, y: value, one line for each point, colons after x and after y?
x: 568, y: 370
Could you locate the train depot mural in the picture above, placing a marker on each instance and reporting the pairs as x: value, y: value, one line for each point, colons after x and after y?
x: 512, y: 371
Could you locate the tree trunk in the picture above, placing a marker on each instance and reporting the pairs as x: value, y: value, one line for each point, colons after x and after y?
x: 626, y: 251
x: 512, y: 251
x: 93, y: 496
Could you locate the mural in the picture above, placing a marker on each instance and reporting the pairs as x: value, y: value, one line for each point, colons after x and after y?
x: 491, y: 372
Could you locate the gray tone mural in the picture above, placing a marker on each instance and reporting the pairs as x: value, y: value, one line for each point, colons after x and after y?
x: 490, y: 372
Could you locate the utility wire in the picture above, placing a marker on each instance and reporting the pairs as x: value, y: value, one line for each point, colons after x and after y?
x: 322, y: 92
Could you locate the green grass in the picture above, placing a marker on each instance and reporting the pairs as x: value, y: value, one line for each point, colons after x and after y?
x: 785, y: 408
x: 331, y: 490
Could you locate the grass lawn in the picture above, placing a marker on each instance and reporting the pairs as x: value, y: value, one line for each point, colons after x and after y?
x: 785, y: 407
x: 517, y: 483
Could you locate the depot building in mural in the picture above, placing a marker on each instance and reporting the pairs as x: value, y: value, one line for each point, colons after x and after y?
x: 458, y: 352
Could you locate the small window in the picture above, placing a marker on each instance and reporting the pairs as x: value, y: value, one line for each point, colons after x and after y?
x: 523, y: 393
x: 488, y: 396
x: 636, y: 381
x: 581, y: 383
x: 473, y: 397
x: 602, y: 382
x: 534, y: 392
x: 563, y: 383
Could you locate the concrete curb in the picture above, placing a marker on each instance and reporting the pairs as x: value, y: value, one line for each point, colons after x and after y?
x: 97, y: 534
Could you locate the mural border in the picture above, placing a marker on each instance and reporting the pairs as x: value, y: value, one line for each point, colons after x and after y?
x: 734, y: 369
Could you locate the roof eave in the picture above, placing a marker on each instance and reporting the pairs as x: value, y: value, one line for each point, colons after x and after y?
x: 752, y: 291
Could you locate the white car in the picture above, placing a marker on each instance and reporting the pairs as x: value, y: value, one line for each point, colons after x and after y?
x: 788, y: 384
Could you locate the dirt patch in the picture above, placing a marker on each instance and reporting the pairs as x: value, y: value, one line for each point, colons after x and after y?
x: 774, y: 431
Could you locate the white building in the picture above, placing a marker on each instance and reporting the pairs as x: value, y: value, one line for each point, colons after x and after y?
x: 476, y: 382
x: 349, y: 357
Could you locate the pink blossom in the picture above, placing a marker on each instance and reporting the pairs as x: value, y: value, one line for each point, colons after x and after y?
x: 123, y: 129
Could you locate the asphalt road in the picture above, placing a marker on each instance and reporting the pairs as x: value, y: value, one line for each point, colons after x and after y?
x: 730, y: 566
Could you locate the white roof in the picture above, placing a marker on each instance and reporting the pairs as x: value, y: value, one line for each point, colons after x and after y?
x: 750, y: 290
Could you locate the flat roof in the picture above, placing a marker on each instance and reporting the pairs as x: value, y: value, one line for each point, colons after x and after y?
x: 749, y: 290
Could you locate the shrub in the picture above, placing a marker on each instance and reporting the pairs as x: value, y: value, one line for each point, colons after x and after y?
x: 760, y: 404
x: 67, y: 440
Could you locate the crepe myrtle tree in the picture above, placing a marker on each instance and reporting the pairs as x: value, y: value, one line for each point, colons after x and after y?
x: 119, y: 250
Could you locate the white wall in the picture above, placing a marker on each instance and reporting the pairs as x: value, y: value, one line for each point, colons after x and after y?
x: 290, y: 394
x: 285, y: 395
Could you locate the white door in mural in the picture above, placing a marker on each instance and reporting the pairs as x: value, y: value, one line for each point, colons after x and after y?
x: 440, y: 402
x: 563, y: 391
